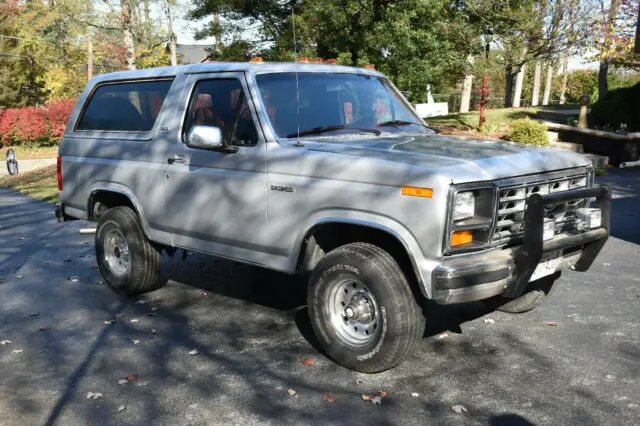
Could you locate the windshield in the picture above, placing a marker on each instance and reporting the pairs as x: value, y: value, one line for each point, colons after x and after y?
x: 331, y: 103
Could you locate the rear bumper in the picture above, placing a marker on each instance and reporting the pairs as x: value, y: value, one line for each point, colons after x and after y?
x: 508, y: 272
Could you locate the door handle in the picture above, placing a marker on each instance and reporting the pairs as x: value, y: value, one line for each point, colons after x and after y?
x: 176, y: 158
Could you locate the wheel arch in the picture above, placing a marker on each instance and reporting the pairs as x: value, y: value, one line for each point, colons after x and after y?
x: 110, y: 196
x: 329, y: 233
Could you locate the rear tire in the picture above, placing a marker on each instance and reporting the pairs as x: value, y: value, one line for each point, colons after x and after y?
x: 533, y: 296
x: 384, y: 321
x: 129, y: 263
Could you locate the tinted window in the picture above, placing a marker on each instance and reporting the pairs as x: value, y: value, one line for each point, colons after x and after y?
x: 222, y: 103
x: 125, y: 106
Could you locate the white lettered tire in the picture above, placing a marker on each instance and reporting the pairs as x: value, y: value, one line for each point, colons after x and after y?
x: 362, y: 309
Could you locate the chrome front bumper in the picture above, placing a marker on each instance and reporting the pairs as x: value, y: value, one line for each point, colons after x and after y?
x: 508, y: 271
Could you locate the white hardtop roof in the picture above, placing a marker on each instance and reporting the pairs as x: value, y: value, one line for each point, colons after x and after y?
x: 266, y: 67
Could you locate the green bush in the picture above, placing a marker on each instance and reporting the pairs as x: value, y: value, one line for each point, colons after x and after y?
x: 528, y: 131
x: 617, y: 107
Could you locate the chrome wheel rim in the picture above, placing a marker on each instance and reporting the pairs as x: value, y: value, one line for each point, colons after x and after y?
x: 353, y: 312
x: 116, y: 253
x: 12, y: 163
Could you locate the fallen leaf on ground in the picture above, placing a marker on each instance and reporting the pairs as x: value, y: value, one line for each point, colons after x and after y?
x: 154, y: 331
x: 135, y: 341
x: 488, y: 320
x: 94, y: 395
x: 291, y: 392
x: 109, y: 322
x: 607, y: 264
x: 74, y: 279
x: 116, y: 316
x: 154, y: 308
x: 68, y: 260
x: 329, y: 397
x: 135, y: 320
x: 123, y: 382
x: 358, y: 381
x: 553, y: 324
x: 459, y: 408
x: 132, y: 377
x: 34, y: 314
x: 383, y: 394
x: 368, y: 396
x: 44, y: 328
x: 94, y: 266
x: 20, y: 238
x: 17, y: 351
x: 377, y: 400
x: 193, y: 352
x: 443, y: 335
x: 152, y: 314
x: 5, y: 342
x: 121, y: 408
x: 415, y: 394
x: 306, y: 362
x: 19, y: 277
x: 140, y: 302
x: 203, y: 293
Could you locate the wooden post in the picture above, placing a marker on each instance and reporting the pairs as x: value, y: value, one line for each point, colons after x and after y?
x: 483, y: 100
x: 582, y: 118
x: 89, y: 59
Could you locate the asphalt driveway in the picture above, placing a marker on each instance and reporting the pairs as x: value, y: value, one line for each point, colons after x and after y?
x: 222, y: 343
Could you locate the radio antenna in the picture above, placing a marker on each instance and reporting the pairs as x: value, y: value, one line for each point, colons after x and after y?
x: 295, y: 56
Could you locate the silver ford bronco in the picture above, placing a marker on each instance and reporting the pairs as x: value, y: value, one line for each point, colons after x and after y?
x: 326, y: 171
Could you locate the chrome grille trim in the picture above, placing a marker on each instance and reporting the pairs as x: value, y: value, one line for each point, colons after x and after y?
x: 513, y: 193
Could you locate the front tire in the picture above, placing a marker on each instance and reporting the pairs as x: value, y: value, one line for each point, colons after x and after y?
x: 129, y: 263
x: 362, y: 309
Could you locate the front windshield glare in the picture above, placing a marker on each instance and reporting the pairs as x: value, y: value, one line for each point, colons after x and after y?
x: 331, y: 103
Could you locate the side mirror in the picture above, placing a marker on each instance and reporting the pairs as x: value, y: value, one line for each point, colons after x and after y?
x: 205, y: 137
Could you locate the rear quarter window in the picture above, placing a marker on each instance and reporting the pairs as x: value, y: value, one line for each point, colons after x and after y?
x: 127, y: 106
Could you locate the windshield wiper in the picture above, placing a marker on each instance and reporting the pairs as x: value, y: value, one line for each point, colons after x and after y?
x: 406, y: 123
x: 323, y: 129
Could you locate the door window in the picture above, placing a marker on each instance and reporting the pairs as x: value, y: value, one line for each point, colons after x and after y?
x: 222, y: 103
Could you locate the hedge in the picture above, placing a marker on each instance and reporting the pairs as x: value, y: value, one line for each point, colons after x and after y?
x: 617, y: 107
x: 35, y: 126
x: 528, y: 131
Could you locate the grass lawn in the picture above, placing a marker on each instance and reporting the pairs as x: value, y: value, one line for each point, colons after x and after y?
x: 496, y: 123
x: 35, y: 153
x: 41, y: 184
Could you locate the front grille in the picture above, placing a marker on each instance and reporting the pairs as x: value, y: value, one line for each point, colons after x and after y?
x: 512, y: 203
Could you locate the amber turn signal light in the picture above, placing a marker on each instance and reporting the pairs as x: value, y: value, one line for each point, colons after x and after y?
x: 460, y: 238
x: 415, y: 191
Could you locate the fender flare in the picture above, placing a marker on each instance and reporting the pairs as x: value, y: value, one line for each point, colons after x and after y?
x: 122, y: 190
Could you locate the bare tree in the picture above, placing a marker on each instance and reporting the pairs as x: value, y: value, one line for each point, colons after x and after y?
x: 170, y: 33
x: 517, y: 93
x: 467, y: 84
x: 609, y: 23
x: 547, y: 85
x: 127, y: 29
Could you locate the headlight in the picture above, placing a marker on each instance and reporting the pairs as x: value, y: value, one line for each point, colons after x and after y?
x: 464, y: 205
x: 471, y: 215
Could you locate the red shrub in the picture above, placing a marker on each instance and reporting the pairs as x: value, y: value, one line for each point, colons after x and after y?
x: 35, y: 125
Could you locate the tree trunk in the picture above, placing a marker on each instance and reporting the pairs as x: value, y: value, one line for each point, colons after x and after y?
x: 170, y: 33
x: 465, y: 99
x: 127, y: 28
x: 508, y: 87
x: 565, y: 76
x: 603, y: 84
x: 547, y: 85
x: 536, y: 84
x: 89, y: 59
x: 518, y: 90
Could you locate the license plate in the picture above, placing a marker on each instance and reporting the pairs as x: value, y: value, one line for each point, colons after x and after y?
x: 548, y: 265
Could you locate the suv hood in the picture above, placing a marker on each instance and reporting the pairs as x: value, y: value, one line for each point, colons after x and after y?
x: 460, y: 159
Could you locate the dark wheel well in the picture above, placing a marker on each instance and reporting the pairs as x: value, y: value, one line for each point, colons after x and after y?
x: 102, y: 200
x: 323, y: 238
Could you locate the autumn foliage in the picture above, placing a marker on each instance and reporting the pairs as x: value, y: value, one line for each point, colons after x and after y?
x: 39, y: 126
